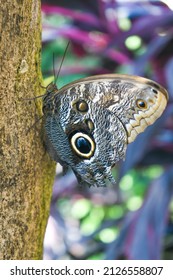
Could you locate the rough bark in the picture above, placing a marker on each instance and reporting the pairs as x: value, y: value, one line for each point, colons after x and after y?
x: 26, y: 172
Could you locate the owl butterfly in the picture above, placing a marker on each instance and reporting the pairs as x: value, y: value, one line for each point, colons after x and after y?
x: 89, y: 123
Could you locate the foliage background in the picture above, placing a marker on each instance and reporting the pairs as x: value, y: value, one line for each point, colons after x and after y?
x: 134, y: 219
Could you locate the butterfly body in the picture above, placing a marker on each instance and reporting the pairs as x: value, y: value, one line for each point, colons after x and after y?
x: 89, y: 122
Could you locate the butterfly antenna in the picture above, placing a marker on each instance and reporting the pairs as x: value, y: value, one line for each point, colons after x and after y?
x: 57, y: 76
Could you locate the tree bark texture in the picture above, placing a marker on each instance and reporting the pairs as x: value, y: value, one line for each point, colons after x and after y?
x: 26, y: 172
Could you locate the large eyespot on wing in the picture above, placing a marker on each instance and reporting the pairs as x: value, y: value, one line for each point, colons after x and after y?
x: 82, y: 145
x: 150, y: 105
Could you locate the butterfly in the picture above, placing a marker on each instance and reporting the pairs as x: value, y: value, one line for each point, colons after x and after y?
x: 89, y: 122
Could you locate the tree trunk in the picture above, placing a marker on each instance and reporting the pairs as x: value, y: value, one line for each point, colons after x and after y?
x: 26, y: 172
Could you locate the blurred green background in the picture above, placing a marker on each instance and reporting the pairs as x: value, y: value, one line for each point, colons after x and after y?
x: 134, y: 218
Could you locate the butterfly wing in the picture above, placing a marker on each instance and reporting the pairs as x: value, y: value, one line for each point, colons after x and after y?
x: 90, y: 122
x: 136, y: 101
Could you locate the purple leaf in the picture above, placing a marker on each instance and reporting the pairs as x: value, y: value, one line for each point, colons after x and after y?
x: 142, y: 233
x: 169, y: 73
x: 75, y: 15
x: 149, y: 23
x: 154, y: 47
